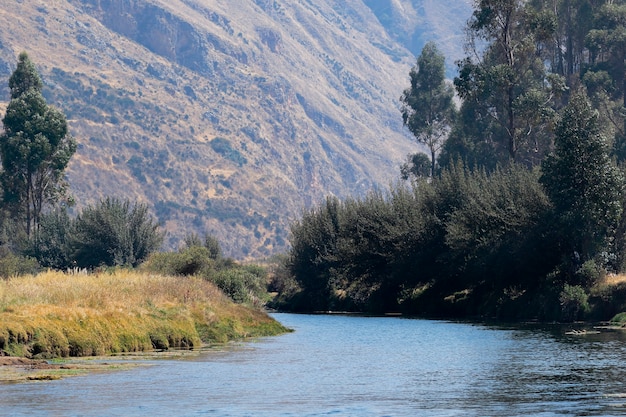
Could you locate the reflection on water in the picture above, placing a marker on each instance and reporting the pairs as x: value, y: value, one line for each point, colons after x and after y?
x: 358, y: 366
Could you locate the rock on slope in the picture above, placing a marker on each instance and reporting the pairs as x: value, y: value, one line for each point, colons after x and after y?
x: 227, y: 117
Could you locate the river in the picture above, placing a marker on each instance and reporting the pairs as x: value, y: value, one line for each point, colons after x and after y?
x: 358, y: 366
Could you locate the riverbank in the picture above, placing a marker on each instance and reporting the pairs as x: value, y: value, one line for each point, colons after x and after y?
x: 57, y: 315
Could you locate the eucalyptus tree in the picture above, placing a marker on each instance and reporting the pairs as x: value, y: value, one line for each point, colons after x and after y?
x: 427, y: 106
x: 506, y: 83
x: 35, y: 148
x: 605, y: 76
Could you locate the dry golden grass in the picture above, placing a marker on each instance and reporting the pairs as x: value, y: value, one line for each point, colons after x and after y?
x: 55, y: 314
x: 614, y: 279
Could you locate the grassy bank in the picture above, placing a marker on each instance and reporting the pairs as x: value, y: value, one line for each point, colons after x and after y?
x: 60, y: 315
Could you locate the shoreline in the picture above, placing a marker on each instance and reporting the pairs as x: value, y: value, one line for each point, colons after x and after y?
x: 20, y: 370
x: 15, y: 369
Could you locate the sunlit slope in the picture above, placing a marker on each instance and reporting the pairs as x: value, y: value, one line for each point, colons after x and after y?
x: 226, y: 117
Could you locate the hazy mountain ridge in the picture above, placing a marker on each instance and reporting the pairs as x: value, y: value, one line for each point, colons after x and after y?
x: 226, y: 118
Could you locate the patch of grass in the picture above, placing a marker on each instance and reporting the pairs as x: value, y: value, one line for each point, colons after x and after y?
x: 60, y: 315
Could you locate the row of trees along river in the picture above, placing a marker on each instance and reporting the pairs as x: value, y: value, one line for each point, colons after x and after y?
x: 517, y: 208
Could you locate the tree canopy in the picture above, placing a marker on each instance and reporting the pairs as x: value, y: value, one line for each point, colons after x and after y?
x: 35, y: 148
x: 584, y: 185
x: 427, y: 106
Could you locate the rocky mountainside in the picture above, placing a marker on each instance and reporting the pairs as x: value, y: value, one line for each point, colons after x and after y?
x: 229, y: 117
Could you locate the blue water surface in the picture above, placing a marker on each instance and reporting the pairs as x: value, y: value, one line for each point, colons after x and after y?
x: 334, y: 365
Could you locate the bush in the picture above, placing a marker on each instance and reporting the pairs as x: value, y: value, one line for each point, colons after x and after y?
x: 281, y: 281
x: 241, y: 285
x: 51, y: 245
x: 115, y: 233
x: 210, y: 243
x: 188, y: 261
x: 13, y: 265
x: 590, y: 273
x: 213, y: 246
x: 574, y: 302
x: 224, y: 148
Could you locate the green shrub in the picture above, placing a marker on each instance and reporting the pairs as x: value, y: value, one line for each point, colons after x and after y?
x: 51, y: 244
x: 224, y: 148
x: 213, y: 246
x: 590, y: 273
x: 187, y: 261
x: 241, y: 285
x: 209, y: 242
x: 574, y: 302
x: 114, y: 233
x: 281, y: 280
x: 12, y: 265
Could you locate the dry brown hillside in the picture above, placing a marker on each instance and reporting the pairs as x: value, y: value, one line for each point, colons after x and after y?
x: 227, y: 116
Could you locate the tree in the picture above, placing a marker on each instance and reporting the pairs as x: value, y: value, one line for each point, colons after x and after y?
x: 114, y: 233
x: 582, y: 183
x: 427, y: 106
x: 35, y: 148
x: 52, y: 244
x: 507, y: 87
x: 418, y: 165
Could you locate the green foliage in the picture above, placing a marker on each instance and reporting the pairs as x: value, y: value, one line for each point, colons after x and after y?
x: 197, y: 257
x: 582, y: 183
x: 35, y: 148
x: 243, y: 285
x: 619, y: 318
x: 188, y: 261
x: 490, y: 233
x: 14, y: 265
x: 427, y: 106
x: 281, y: 281
x: 209, y: 242
x: 495, y: 233
x: 52, y: 244
x: 574, y: 302
x: 507, y: 94
x: 114, y: 232
x: 589, y: 273
x: 417, y: 166
x: 24, y: 78
x: 223, y: 147
x: 213, y: 246
x: 411, y: 249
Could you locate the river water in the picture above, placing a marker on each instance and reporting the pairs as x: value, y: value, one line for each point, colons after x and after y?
x: 358, y: 366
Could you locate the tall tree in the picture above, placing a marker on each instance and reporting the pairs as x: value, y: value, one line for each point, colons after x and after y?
x: 427, y: 106
x: 583, y: 184
x: 35, y: 148
x: 507, y: 85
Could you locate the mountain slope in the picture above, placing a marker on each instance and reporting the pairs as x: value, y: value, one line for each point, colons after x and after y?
x: 226, y: 118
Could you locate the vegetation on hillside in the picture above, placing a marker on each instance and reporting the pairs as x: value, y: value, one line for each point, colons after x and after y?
x: 523, y: 216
